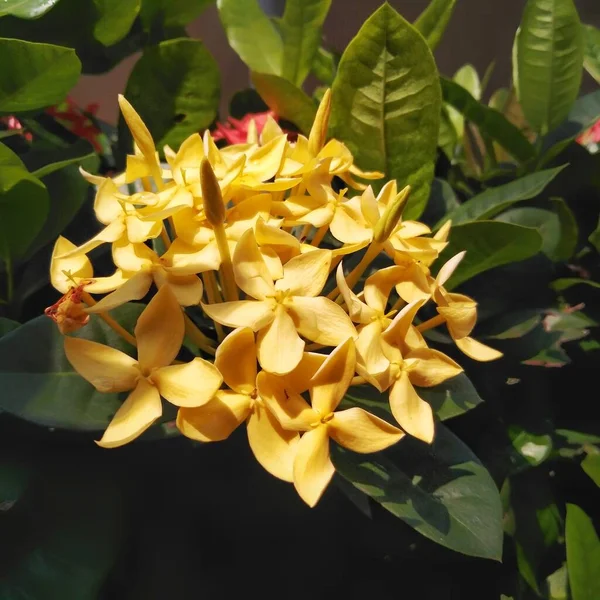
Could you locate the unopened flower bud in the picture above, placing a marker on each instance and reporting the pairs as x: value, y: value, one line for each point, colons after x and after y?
x: 388, y: 222
x: 318, y: 131
x: 69, y: 312
x: 214, y: 209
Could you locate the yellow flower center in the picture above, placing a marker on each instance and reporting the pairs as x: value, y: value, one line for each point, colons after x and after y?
x: 323, y: 419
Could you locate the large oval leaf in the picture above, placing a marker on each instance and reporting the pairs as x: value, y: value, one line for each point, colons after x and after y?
x: 26, y: 9
x: 170, y: 13
x: 386, y: 102
x: 39, y: 384
x: 488, y: 244
x: 184, y: 99
x: 252, y: 35
x: 583, y: 554
x: 35, y: 75
x: 548, y: 61
x: 442, y: 491
x: 591, y: 59
x: 115, y: 18
x: 432, y: 22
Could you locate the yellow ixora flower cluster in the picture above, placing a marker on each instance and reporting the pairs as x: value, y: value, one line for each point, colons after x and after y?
x: 243, y: 231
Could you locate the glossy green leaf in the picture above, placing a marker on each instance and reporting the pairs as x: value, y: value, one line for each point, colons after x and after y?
x: 324, y: 67
x: 115, y: 18
x: 591, y: 59
x: 468, y: 78
x: 594, y: 237
x: 171, y: 13
x: 26, y: 9
x: 442, y: 491
x: 44, y: 161
x: 442, y: 201
x: 386, y: 103
x: 35, y: 75
x: 448, y: 135
x: 591, y: 465
x: 9, y: 159
x: 583, y: 555
x: 558, y: 584
x: 252, y: 35
x: 7, y: 325
x: 496, y: 199
x: 432, y: 22
x: 286, y: 100
x: 39, y: 383
x: 489, y: 244
x: 300, y: 29
x: 548, y: 61
x: 23, y: 210
x: 489, y: 121
x: 567, y: 282
x: 184, y: 99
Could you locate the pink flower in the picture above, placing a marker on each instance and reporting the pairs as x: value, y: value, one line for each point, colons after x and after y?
x: 590, y: 136
x: 235, y: 131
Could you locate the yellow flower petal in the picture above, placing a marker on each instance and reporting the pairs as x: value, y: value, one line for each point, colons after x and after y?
x: 264, y: 162
x: 138, y: 129
x: 289, y: 408
x: 236, y: 360
x: 189, y: 384
x: 321, y: 320
x: 298, y: 380
x: 414, y: 284
x: 133, y: 289
x: 107, y: 369
x: 111, y: 233
x: 251, y: 273
x: 349, y: 228
x: 412, y: 413
x: 306, y: 274
x: 186, y: 164
x: 448, y: 268
x: 379, y: 286
x: 217, y: 419
x: 279, y: 345
x: 77, y: 266
x: 255, y: 314
x: 313, y: 468
x: 141, y: 408
x: 186, y: 288
x: 476, y: 350
x: 159, y: 330
x: 106, y: 205
x: 270, y: 130
x: 103, y: 285
x: 273, y: 446
x: 358, y: 310
x: 360, y: 431
x: 372, y: 364
x: 398, y: 329
x: 431, y: 367
x: 132, y: 257
x: 188, y: 260
x: 330, y: 383
x: 460, y: 315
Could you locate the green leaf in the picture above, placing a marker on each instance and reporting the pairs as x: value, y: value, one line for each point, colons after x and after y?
x: 35, y: 75
x: 583, y: 555
x: 44, y: 161
x: 115, y: 18
x: 9, y: 159
x: 183, y: 100
x: 591, y: 465
x: 489, y: 121
x: 468, y: 78
x: 488, y: 244
x: 594, y: 237
x: 386, y: 103
x: 23, y: 210
x: 496, y: 199
x: 39, y: 383
x: 26, y: 9
x: 286, y: 100
x: 432, y: 22
x: 451, y: 398
x: 300, y: 29
x: 14, y: 480
x: 7, y: 325
x: 442, y: 491
x: 560, y: 285
x: 535, y: 449
x: 591, y: 60
x: 442, y: 201
x: 324, y: 67
x: 252, y: 35
x: 171, y: 13
x: 548, y: 61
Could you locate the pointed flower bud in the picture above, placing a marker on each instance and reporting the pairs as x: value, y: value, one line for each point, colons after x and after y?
x: 139, y: 131
x: 387, y: 223
x: 214, y: 209
x: 318, y: 132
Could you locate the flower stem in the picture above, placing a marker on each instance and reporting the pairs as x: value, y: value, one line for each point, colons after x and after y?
x: 372, y: 252
x: 230, y: 290
x: 304, y: 232
x: 202, y: 341
x: 214, y: 297
x: 431, y: 323
x: 119, y: 329
x: 319, y: 235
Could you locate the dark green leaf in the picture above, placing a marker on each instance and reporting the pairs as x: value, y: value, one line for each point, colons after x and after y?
x: 300, y: 29
x: 23, y: 210
x: 324, y: 66
x: 548, y: 61
x: 41, y: 386
x: 35, y: 75
x: 115, y: 18
x: 171, y: 13
x: 14, y: 479
x: 452, y: 398
x: 26, y: 9
x: 442, y: 201
x: 286, y: 100
x: 246, y: 101
x: 594, y: 237
x: 42, y: 162
x: 496, y: 199
x: 7, y: 325
x: 535, y: 449
x: 489, y: 121
x: 577, y: 438
x: 386, y: 103
x: 591, y: 465
x: 432, y: 22
x: 252, y: 35
x: 583, y: 555
x: 489, y: 244
x: 442, y: 491
x: 184, y: 99
x: 591, y: 59
x: 9, y: 159
x: 566, y: 282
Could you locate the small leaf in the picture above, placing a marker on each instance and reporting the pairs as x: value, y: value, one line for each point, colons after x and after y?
x: 26, y: 9
x: 286, y: 100
x: 9, y: 159
x: 35, y: 75
x: 252, y: 35
x: 386, y: 103
x: 325, y: 66
x: 300, y: 29
x: 442, y: 491
x: 496, y: 199
x: 432, y: 22
x: 488, y: 244
x: 183, y: 100
x: 535, y: 449
x: 44, y: 161
x: 171, y: 13
x: 560, y: 285
x: 39, y: 383
x: 583, y: 555
x: 489, y: 121
x: 115, y: 18
x: 591, y: 59
x: 548, y: 61
x: 591, y: 465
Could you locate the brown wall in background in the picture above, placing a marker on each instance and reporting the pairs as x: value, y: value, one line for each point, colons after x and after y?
x: 480, y: 32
